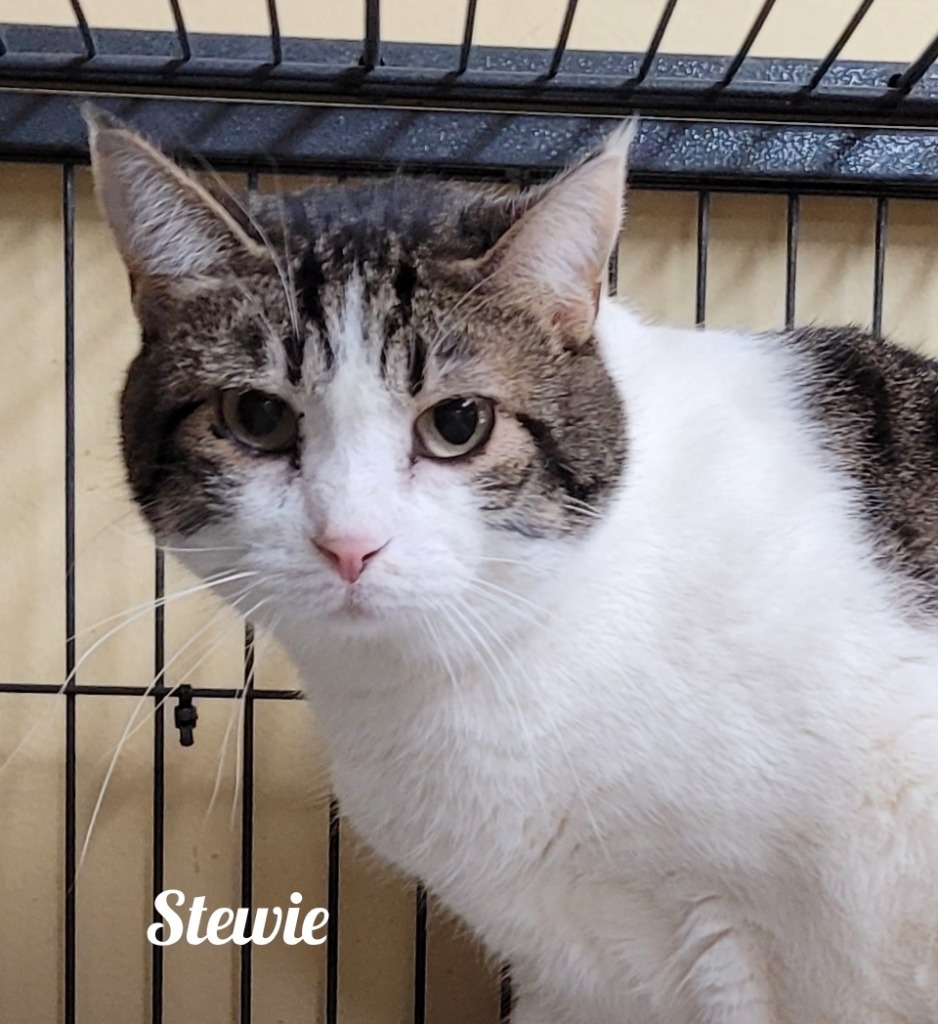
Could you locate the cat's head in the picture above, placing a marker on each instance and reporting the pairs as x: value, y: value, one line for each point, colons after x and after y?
x: 382, y: 401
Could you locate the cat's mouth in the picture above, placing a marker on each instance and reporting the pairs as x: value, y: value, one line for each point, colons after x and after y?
x: 355, y: 607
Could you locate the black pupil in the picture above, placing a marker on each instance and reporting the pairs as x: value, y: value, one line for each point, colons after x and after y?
x: 260, y: 415
x: 456, y: 420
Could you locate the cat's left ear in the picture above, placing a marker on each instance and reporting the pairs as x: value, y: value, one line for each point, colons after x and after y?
x: 165, y: 223
x: 554, y: 256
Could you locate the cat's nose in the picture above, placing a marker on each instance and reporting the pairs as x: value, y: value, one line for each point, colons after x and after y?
x: 348, y: 555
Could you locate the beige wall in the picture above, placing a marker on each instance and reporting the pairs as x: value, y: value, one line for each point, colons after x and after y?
x: 114, y: 566
x: 893, y: 29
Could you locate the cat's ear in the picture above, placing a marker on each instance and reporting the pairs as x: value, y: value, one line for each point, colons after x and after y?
x: 554, y: 256
x: 165, y: 223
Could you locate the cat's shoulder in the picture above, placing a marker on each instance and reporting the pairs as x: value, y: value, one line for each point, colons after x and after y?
x: 876, y: 404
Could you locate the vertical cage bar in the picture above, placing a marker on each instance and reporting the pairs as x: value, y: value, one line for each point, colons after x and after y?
x: 84, y: 28
x: 879, y: 270
x: 743, y: 52
x: 612, y: 271
x: 703, y: 247
x: 182, y: 35
x: 371, y: 55
x: 247, y: 819
x: 791, y: 257
x: 852, y: 25
x: 505, y: 996
x: 909, y: 78
x: 332, y: 905
x: 159, y: 776
x: 276, y: 44
x: 246, y: 980
x: 563, y: 38
x: 655, y: 43
x: 71, y: 753
x: 467, y: 34
x: 420, y: 956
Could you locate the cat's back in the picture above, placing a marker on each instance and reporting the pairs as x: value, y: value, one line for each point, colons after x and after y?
x: 815, y: 428
x: 877, y: 408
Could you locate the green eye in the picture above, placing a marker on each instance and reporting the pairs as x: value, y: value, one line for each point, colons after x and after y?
x: 259, y: 421
x: 456, y: 426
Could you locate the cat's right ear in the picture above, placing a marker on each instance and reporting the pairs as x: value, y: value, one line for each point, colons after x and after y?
x: 165, y: 223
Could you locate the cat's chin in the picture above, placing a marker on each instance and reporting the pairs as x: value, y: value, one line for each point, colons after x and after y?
x: 356, y: 613
x: 353, y: 614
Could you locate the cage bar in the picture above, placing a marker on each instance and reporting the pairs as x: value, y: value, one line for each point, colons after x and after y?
x: 371, y: 55
x: 903, y: 84
x: 182, y: 35
x: 703, y: 249
x: 159, y: 777
x: 505, y: 995
x: 655, y: 44
x: 468, y: 30
x: 852, y: 25
x: 246, y: 980
x: 71, y: 751
x: 332, y: 905
x: 563, y: 38
x: 596, y: 82
x: 84, y: 28
x: 276, y: 44
x: 420, y: 955
x: 791, y: 257
x: 743, y: 52
x: 246, y: 962
x: 879, y: 263
x: 199, y: 692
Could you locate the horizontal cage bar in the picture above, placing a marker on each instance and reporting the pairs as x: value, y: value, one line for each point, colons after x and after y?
x: 520, y: 79
x: 725, y: 155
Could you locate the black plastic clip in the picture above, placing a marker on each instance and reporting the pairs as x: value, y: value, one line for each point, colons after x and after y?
x: 185, y: 716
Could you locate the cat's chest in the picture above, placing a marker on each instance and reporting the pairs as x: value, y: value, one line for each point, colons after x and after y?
x: 466, y: 793
x: 441, y: 795
x: 466, y: 784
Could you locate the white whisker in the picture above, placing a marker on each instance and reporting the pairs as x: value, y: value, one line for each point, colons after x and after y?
x: 127, y: 728
x: 233, y: 717
x: 290, y: 286
x: 438, y: 646
x: 511, y: 596
x: 134, y: 615
x: 213, y: 646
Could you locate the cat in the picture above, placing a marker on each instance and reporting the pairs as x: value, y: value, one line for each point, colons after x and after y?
x: 621, y: 638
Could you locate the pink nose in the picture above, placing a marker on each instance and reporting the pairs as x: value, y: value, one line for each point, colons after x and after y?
x: 348, y: 555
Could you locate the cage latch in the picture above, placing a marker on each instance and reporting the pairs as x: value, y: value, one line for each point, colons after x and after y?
x: 185, y: 716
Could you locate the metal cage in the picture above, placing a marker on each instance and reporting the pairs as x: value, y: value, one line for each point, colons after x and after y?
x: 733, y: 122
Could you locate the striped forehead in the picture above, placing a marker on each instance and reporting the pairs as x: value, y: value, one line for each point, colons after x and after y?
x: 349, y: 327
x: 355, y: 389
x: 363, y: 319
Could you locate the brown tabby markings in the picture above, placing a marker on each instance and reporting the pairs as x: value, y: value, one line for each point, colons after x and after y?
x: 433, y: 327
x: 878, y: 404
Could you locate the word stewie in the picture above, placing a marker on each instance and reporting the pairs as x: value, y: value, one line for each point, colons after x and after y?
x: 228, y: 924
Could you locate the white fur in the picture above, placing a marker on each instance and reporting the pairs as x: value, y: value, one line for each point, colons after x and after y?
x: 686, y: 771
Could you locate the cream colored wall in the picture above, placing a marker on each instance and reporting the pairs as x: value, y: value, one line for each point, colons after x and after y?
x: 893, y: 29
x: 114, y: 554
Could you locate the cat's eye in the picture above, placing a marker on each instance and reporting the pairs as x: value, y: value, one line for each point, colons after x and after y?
x: 456, y: 426
x: 259, y: 420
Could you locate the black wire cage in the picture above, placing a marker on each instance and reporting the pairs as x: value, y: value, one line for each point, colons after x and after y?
x: 730, y: 123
